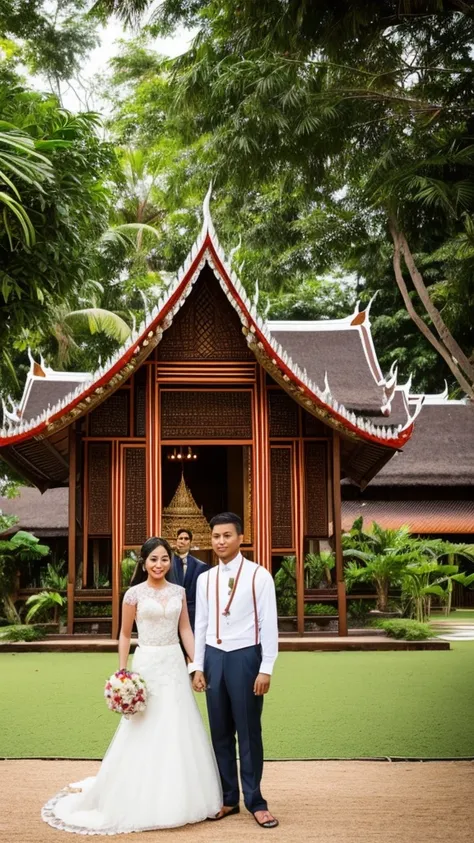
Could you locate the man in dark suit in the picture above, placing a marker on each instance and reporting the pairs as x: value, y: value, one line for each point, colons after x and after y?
x: 186, y: 569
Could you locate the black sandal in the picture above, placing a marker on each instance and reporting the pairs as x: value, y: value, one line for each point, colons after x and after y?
x: 219, y: 816
x: 268, y: 824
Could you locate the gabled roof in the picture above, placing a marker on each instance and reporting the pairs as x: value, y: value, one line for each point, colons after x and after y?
x: 43, y: 515
x: 376, y: 442
x: 316, y: 397
x: 441, y: 451
x: 341, y: 354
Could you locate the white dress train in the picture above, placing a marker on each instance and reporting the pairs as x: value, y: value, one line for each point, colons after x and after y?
x: 159, y: 770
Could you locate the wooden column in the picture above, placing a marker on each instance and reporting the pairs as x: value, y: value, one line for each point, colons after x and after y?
x: 261, y: 499
x: 85, y: 516
x: 337, y: 536
x: 299, y: 480
x: 71, y: 553
x: 117, y: 534
x: 153, y: 457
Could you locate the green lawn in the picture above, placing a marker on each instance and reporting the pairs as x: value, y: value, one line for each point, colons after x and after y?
x: 322, y: 705
x: 459, y: 615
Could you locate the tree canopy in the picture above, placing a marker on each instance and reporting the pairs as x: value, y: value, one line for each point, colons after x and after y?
x: 338, y: 136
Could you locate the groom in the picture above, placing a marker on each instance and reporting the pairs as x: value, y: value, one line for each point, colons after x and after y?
x: 236, y: 644
x: 186, y: 569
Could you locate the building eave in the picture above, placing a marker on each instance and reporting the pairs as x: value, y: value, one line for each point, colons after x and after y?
x: 266, y: 348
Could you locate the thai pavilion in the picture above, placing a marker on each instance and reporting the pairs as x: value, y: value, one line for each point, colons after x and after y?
x: 208, y: 407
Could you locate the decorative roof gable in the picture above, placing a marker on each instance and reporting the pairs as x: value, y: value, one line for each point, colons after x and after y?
x: 295, y: 379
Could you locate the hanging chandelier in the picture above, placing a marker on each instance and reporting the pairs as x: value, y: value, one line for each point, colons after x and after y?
x: 182, y: 454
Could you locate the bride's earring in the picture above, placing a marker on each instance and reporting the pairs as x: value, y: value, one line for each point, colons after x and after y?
x: 144, y: 568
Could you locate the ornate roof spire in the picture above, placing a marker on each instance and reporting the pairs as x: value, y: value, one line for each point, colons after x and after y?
x: 184, y: 512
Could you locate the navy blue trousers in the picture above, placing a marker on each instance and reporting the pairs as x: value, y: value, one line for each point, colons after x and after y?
x: 233, y: 708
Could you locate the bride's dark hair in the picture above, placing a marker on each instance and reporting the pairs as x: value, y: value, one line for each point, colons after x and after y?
x: 139, y: 575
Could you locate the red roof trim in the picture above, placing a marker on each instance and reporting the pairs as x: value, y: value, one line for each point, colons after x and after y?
x: 207, y: 245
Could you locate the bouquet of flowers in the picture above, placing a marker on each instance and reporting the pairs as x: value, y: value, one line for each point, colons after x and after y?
x: 125, y: 693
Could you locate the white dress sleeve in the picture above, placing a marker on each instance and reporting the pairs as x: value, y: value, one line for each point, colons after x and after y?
x: 131, y: 597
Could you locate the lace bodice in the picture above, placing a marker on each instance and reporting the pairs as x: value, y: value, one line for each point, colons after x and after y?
x: 158, y: 611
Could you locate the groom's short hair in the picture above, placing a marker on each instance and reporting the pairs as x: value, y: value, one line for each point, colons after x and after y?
x: 227, y: 518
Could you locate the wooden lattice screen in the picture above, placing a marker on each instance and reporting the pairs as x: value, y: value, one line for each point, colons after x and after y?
x: 99, y: 491
x: 207, y: 328
x: 111, y: 418
x: 202, y: 414
x: 135, y: 514
x: 282, y: 413
x: 316, y: 491
x: 281, y: 496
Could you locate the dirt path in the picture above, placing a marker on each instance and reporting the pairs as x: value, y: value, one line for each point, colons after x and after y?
x: 320, y: 801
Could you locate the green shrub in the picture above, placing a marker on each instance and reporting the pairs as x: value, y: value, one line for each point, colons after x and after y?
x: 92, y: 610
x: 286, y: 606
x: 21, y: 632
x: 406, y: 629
x: 359, y: 610
x: 319, y: 609
x: 127, y: 566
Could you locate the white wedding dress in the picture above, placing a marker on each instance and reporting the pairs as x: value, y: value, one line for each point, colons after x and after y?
x: 160, y: 770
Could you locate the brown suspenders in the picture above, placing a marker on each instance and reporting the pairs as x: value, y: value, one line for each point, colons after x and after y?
x: 226, y: 610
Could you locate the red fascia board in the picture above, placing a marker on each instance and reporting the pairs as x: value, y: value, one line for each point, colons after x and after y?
x: 393, y: 444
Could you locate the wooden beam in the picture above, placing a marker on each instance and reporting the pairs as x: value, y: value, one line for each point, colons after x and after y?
x: 337, y: 535
x: 71, y: 576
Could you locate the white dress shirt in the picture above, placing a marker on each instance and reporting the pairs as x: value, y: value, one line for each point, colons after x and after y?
x: 236, y: 630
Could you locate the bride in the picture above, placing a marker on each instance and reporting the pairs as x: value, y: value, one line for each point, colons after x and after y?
x: 159, y: 771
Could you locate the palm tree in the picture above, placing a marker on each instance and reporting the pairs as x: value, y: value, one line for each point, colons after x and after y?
x: 430, y: 576
x: 384, y: 554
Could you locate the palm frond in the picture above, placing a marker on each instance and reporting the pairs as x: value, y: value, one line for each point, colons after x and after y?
x: 97, y: 320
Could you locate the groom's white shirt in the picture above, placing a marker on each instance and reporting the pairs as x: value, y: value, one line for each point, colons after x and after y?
x: 237, y: 630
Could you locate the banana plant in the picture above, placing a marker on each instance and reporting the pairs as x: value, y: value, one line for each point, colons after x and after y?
x: 22, y: 547
x: 44, y: 603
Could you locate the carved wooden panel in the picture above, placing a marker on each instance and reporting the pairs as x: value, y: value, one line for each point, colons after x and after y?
x: 99, y: 489
x: 135, y: 519
x: 313, y: 426
x: 206, y: 415
x: 282, y: 414
x: 112, y: 417
x: 316, y: 488
x: 206, y: 327
x: 281, y: 497
x: 140, y: 409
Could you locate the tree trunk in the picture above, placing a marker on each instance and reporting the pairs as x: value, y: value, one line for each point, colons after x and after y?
x: 444, y: 333
x: 382, y: 595
x: 10, y: 609
x: 421, y: 325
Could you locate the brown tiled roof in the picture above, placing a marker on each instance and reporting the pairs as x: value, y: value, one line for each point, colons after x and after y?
x: 440, y: 452
x: 423, y: 516
x: 46, y: 392
x: 43, y: 515
x: 341, y: 354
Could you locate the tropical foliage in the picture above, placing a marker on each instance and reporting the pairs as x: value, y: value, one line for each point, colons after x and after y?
x: 44, y: 604
x: 395, y: 559
x: 20, y: 548
x: 343, y: 128
x: 406, y: 629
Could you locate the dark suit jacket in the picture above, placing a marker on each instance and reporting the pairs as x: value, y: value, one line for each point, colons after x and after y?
x: 194, y: 569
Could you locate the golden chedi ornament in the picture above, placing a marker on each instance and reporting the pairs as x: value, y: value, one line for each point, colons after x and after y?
x: 183, y: 512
